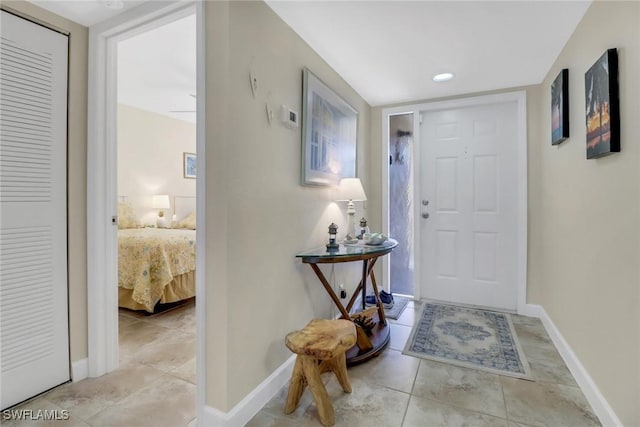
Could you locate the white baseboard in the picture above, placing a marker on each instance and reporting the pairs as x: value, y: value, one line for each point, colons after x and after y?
x: 531, y: 310
x: 591, y: 391
x: 254, y: 401
x: 242, y: 413
x: 79, y: 370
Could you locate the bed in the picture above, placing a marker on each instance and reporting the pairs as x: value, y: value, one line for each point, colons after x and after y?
x: 155, y: 265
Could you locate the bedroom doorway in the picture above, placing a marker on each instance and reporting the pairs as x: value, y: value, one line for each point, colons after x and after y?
x: 156, y: 181
x: 104, y: 194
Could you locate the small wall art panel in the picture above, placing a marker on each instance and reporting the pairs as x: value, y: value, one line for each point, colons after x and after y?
x: 603, y: 106
x: 189, y: 165
x: 560, y: 108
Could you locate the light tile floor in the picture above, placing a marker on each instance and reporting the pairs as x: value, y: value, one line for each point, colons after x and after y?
x: 154, y: 386
x: 397, y: 390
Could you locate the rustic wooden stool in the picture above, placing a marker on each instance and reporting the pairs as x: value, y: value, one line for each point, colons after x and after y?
x: 321, y: 347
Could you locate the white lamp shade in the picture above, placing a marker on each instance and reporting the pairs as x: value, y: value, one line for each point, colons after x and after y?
x: 350, y: 189
x: 161, y: 201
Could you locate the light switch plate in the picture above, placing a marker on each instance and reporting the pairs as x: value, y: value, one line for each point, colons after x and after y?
x: 290, y: 118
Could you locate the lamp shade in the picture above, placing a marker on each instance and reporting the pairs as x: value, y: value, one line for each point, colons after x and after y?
x: 350, y: 189
x: 161, y: 201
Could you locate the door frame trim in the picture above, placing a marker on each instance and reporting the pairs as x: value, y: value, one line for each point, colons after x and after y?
x: 102, y: 296
x: 520, y: 97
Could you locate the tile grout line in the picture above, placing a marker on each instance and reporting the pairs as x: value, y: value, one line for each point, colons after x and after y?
x: 415, y: 377
x: 453, y: 405
x: 504, y: 398
x: 162, y: 373
x: 413, y: 385
x: 128, y: 396
x: 117, y: 402
x: 458, y: 407
x: 68, y: 410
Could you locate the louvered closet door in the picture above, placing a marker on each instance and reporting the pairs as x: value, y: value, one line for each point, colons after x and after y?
x: 34, y: 353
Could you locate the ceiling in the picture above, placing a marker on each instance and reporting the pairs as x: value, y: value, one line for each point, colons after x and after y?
x: 388, y: 51
x: 157, y: 70
x: 87, y: 12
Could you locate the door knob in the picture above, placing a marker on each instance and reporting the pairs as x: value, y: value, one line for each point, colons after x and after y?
x: 425, y: 215
x: 425, y: 202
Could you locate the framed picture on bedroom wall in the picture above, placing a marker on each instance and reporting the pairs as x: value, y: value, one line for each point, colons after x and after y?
x: 189, y: 161
x: 602, y: 110
x: 560, y: 108
x: 329, y: 134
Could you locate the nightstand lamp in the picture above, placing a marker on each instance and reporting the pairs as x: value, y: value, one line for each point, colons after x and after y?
x: 161, y: 201
x: 351, y: 190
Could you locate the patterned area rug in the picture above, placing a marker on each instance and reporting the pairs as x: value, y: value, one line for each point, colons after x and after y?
x: 468, y: 337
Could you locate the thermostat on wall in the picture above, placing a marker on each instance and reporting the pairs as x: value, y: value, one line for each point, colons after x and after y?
x: 290, y: 118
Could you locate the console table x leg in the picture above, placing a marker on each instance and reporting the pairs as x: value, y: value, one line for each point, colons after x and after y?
x: 362, y: 288
x: 363, y: 341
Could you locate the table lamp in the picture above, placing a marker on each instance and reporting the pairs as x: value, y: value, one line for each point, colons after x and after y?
x: 161, y: 201
x: 350, y: 189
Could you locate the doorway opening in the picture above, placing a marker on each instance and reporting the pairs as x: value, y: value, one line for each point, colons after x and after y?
x: 401, y: 211
x: 156, y: 146
x: 465, y: 174
x: 103, y: 191
x: 468, y: 204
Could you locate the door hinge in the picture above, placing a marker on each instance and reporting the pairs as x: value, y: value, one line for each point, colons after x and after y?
x: 114, y: 220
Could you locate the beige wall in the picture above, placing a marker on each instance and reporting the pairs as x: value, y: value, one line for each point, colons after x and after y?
x: 217, y: 300
x: 76, y: 169
x: 584, y: 215
x: 589, y: 217
x: 258, y: 215
x: 150, y: 157
x: 263, y: 213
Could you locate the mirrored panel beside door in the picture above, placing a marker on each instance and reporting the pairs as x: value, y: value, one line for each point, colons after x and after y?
x: 401, y: 207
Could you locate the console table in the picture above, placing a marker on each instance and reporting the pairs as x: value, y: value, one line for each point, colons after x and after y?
x: 367, y: 345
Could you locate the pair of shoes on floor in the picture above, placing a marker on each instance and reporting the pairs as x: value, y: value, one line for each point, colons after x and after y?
x: 385, y: 298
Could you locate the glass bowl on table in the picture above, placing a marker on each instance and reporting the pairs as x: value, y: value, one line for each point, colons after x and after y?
x: 374, y: 239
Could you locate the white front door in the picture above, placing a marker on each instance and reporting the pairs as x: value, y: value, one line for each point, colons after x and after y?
x: 34, y: 337
x: 468, y: 205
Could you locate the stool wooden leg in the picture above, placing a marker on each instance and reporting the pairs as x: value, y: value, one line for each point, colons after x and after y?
x: 312, y: 374
x: 325, y: 366
x: 339, y: 367
x: 296, y: 387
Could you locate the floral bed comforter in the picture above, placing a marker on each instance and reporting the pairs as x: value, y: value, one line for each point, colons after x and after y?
x: 149, y: 259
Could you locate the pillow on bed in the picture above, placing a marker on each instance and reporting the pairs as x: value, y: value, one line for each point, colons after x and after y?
x: 126, y: 217
x: 188, y: 222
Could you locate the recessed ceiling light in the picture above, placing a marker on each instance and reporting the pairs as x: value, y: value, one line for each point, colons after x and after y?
x: 444, y: 77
